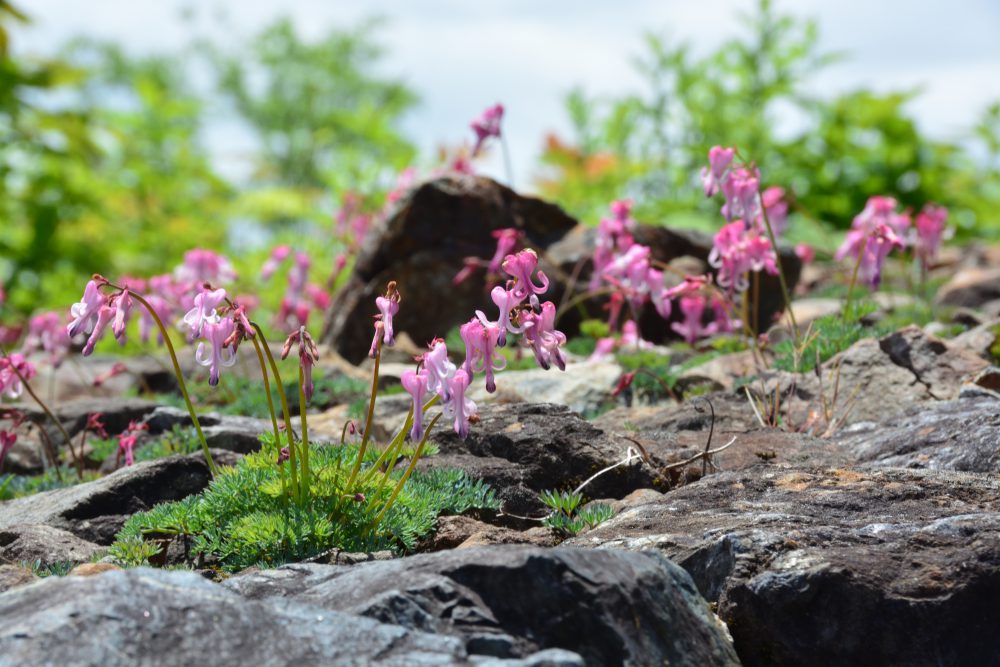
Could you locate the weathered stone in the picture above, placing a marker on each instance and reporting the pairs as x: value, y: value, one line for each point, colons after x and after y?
x: 152, y: 617
x: 611, y: 608
x: 231, y: 433
x: 971, y: 288
x: 95, y: 511
x: 583, y: 387
x: 462, y: 532
x: 522, y: 449
x: 945, y: 435
x: 422, y: 246
x: 15, y: 576
x: 44, y: 545
x: 807, y: 563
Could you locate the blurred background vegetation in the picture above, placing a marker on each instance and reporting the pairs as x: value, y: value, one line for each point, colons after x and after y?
x: 104, y: 164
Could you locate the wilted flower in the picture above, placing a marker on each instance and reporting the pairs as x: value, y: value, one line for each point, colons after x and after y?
x: 388, y: 306
x: 308, y: 355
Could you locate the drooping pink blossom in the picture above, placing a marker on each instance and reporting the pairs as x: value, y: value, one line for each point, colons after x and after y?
x: 543, y: 338
x: 439, y: 369
x: 216, y: 355
x: 104, y: 317
x: 116, y: 369
x: 204, y: 311
x: 13, y: 368
x: 776, y: 208
x: 873, y: 234
x: 7, y: 440
x: 740, y: 189
x: 202, y: 265
x: 85, y: 312
x: 929, y: 228
x: 458, y: 406
x: 737, y: 250
x: 713, y: 175
x: 520, y: 267
x: 507, y: 240
x: 415, y: 384
x: 805, y: 253
x: 388, y: 306
x: 308, y: 356
x: 487, y: 126
x: 46, y: 332
x: 278, y: 255
x: 691, y: 328
x: 123, y: 310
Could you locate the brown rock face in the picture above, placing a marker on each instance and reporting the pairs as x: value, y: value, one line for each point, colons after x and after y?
x: 441, y: 222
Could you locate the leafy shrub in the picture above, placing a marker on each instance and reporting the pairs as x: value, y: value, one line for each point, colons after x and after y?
x: 243, y: 519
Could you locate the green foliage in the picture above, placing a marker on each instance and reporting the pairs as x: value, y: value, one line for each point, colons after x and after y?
x: 57, y: 569
x: 649, y: 145
x: 244, y: 519
x: 567, y: 517
x: 319, y: 108
x: 17, y: 486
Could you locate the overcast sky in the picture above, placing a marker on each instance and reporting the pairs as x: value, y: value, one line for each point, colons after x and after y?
x: 461, y: 56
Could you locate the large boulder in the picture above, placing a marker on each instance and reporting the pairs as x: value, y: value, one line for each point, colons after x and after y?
x: 611, y: 608
x: 425, y: 240
x: 835, y: 566
x: 95, y: 511
x: 152, y: 617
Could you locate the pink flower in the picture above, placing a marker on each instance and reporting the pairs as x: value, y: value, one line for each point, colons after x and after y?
x: 201, y: 266
x: 308, y: 355
x: 776, y: 208
x: 278, y: 255
x: 874, y: 233
x: 14, y: 368
x: 146, y: 323
x: 404, y: 182
x: 481, y: 339
x: 506, y: 301
x: 388, y: 306
x: 487, y: 126
x: 7, y: 440
x: 95, y: 425
x: 740, y: 190
x: 541, y: 335
x: 724, y: 321
x: 507, y: 240
x: 415, y: 385
x: 104, y: 317
x: 690, y: 285
x: 930, y: 230
x: 204, y: 311
x: 439, y: 369
x: 605, y: 348
x: 713, y: 176
x: 520, y: 267
x: 880, y: 244
x: 736, y: 251
x: 123, y: 309
x: 691, y: 328
x: 805, y: 253
x: 117, y: 368
x: 85, y: 312
x: 45, y: 332
x: 216, y: 333
x: 631, y: 337
x: 373, y: 351
x: 457, y: 406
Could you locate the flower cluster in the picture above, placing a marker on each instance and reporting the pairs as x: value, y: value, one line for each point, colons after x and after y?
x: 14, y: 370
x: 875, y: 232
x: 301, y: 296
x: 519, y: 312
x: 127, y: 440
x: 743, y: 244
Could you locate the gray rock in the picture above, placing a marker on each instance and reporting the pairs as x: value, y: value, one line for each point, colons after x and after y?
x: 95, y: 511
x: 231, y: 433
x: 522, y: 449
x: 948, y: 435
x: 44, y: 545
x: 583, y: 387
x: 835, y: 566
x: 971, y: 288
x: 149, y: 617
x: 609, y: 607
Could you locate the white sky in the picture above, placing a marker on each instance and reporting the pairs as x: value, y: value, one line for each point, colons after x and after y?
x: 462, y: 55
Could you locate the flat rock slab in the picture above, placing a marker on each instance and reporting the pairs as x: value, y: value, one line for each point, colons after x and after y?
x: 150, y: 617
x: 44, y: 545
x: 95, y: 511
x: 609, y: 607
x: 946, y: 435
x: 522, y: 449
x: 835, y: 566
